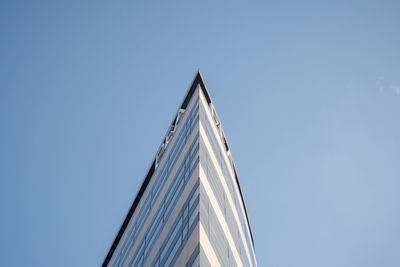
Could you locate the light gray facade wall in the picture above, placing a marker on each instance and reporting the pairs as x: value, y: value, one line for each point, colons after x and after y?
x: 222, y: 195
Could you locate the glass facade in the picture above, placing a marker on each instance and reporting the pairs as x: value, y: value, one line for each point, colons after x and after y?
x: 189, y: 210
x: 227, y: 200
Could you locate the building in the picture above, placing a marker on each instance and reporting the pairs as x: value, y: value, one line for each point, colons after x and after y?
x: 189, y: 211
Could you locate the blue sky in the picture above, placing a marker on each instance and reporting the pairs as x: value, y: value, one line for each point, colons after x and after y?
x: 308, y: 93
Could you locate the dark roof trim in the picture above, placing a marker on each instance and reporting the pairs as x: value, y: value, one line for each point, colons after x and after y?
x: 130, y: 213
x: 198, y: 80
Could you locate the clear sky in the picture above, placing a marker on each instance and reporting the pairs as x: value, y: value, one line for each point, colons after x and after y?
x: 308, y: 93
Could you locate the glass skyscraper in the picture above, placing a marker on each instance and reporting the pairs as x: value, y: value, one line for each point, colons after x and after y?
x: 189, y: 211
